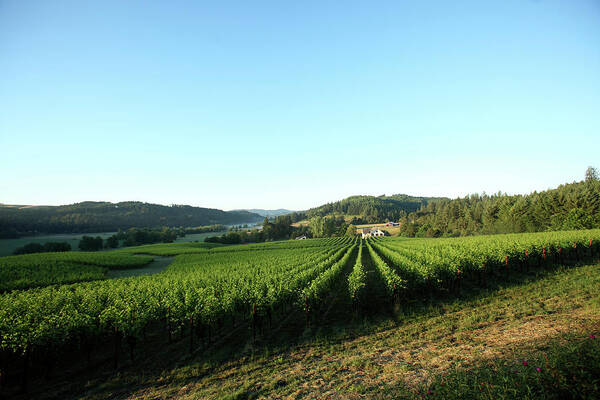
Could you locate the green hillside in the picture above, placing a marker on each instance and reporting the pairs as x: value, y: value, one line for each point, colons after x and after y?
x: 106, y: 217
x: 371, y: 208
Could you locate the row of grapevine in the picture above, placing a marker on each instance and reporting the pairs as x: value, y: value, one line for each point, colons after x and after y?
x: 393, y: 282
x: 441, y: 262
x: 174, y: 249
x: 323, y: 284
x: 423, y: 269
x: 357, y: 280
x: 204, y: 288
x: 43, y: 269
x: 111, y: 260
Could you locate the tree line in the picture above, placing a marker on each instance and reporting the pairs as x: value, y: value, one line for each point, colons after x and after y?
x: 282, y: 228
x: 48, y: 247
x: 568, y: 207
x: 205, y: 229
x: 278, y: 228
x: 130, y: 237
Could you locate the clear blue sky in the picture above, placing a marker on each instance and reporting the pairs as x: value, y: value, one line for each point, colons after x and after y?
x: 292, y: 104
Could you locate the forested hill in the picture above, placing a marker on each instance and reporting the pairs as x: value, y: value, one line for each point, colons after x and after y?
x: 105, y: 217
x: 371, y: 208
x: 570, y: 206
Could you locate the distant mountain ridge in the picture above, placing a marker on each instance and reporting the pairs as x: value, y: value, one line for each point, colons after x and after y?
x: 93, y: 216
x: 267, y: 213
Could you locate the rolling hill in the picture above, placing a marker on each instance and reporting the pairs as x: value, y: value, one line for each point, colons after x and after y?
x: 373, y: 208
x: 104, y: 217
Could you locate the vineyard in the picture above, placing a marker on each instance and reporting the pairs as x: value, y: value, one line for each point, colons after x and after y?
x: 211, y: 290
x: 170, y: 249
x: 44, y: 269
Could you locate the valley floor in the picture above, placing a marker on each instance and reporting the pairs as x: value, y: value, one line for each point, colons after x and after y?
x: 534, y: 336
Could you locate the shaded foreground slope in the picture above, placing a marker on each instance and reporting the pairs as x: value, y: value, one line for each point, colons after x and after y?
x: 487, y: 343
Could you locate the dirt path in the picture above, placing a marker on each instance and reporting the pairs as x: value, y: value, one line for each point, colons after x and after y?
x: 156, y: 266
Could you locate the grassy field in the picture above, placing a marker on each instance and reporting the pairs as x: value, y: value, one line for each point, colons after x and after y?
x: 533, y: 336
x: 304, y: 222
x: 393, y: 231
x: 379, y: 225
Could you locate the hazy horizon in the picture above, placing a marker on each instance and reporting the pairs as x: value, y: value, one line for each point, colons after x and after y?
x: 271, y: 105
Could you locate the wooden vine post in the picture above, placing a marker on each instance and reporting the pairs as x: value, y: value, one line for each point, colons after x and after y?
x: 544, y: 256
x: 25, y: 377
x: 306, y: 311
x: 2, y: 373
x: 117, y: 343
x: 131, y: 342
x: 191, y: 334
x: 169, y: 324
x: 254, y: 322
x: 483, y: 277
x: 559, y: 255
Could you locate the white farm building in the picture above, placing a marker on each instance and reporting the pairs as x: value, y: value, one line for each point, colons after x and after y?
x: 372, y: 232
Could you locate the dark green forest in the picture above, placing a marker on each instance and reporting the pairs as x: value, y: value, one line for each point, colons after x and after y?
x: 570, y: 206
x: 105, y: 217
